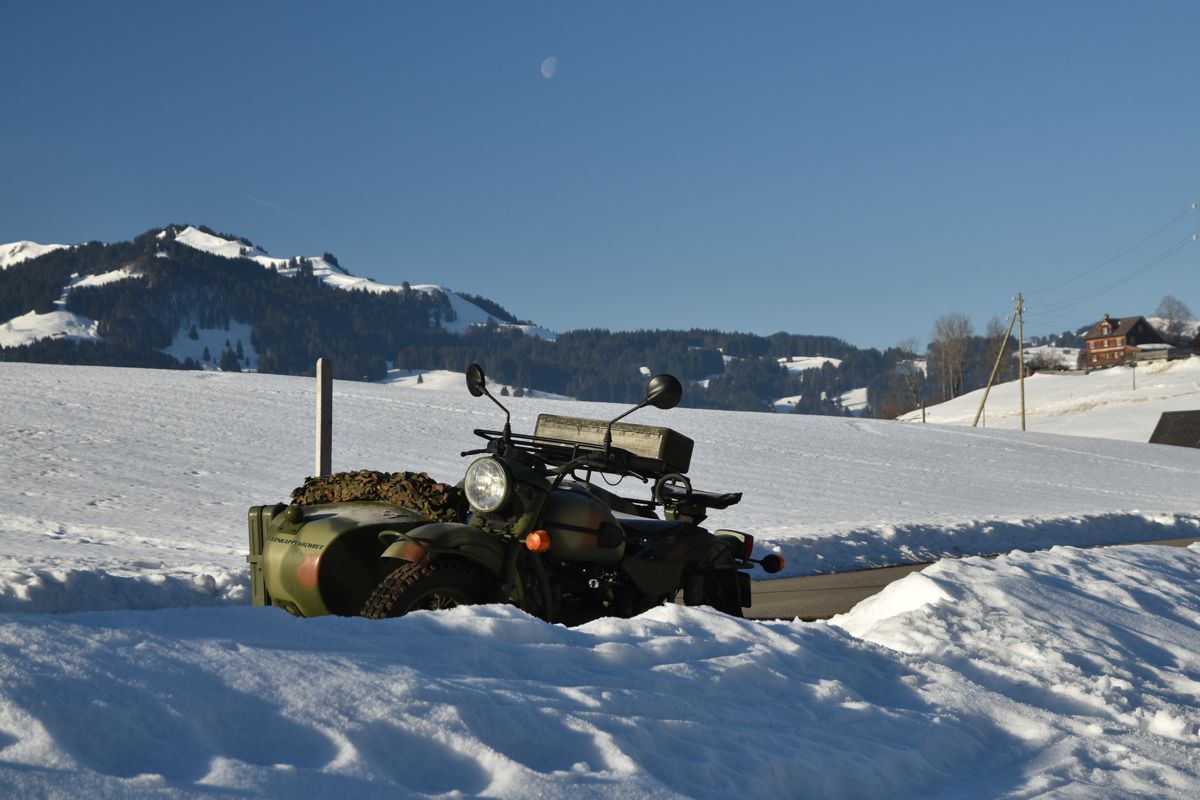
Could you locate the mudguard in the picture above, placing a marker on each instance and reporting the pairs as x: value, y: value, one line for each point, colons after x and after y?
x: 446, y: 538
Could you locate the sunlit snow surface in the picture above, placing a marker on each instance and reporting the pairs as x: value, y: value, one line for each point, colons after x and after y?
x: 16, y: 252
x: 1118, y: 402
x: 1071, y: 672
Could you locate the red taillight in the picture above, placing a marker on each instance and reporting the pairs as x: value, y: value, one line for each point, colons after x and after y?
x: 748, y: 549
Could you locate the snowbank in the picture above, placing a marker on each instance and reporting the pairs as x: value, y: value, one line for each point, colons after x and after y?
x: 1067, y: 672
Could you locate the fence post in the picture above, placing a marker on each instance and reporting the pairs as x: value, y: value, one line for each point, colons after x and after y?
x: 324, y: 416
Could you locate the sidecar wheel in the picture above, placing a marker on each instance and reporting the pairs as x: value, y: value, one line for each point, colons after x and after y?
x: 444, y: 583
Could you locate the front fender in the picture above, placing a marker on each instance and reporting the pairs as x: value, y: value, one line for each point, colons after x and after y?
x: 446, y: 538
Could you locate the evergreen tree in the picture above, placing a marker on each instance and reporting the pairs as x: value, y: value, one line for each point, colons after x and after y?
x: 229, y: 362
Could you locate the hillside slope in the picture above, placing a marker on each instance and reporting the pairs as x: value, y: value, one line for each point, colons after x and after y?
x: 1104, y: 403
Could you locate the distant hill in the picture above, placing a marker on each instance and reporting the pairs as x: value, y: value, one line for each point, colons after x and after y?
x: 190, y: 297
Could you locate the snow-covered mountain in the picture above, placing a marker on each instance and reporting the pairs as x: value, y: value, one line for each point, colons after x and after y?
x: 467, y: 314
x: 32, y: 326
x: 131, y: 664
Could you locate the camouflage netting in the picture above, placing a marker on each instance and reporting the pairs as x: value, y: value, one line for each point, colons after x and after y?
x: 415, y: 490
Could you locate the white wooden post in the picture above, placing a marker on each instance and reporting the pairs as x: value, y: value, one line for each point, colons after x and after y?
x: 324, y: 416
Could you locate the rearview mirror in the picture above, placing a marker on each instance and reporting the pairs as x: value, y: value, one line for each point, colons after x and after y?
x: 475, y: 380
x: 663, y: 391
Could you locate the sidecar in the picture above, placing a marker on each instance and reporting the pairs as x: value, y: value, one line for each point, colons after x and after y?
x: 321, y: 559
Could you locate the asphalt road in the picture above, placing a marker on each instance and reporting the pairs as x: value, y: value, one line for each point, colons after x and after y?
x: 822, y: 596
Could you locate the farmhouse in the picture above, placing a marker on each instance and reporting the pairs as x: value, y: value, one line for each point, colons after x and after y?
x: 1117, y: 341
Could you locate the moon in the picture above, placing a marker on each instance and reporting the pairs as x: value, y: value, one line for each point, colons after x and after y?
x: 549, y: 67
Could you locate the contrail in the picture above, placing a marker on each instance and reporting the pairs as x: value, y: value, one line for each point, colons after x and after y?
x: 280, y: 210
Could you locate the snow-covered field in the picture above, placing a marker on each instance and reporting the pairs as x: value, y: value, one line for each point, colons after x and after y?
x: 123, y: 494
x: 1114, y: 403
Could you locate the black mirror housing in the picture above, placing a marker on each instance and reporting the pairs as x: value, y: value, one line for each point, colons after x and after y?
x: 476, y: 383
x: 663, y: 391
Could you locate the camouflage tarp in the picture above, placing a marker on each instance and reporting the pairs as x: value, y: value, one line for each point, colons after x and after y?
x: 416, y: 490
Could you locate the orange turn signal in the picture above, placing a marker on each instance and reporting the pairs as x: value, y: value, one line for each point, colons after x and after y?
x: 538, y: 541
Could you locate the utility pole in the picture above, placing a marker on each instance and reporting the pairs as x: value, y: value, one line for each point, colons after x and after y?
x: 1021, y: 346
x: 324, y: 417
x: 995, y: 368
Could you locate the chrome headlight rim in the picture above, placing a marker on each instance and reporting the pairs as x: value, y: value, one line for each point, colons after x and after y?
x: 482, y: 492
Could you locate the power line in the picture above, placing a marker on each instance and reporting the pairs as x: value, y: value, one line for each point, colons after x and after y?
x: 1120, y: 255
x: 1074, y: 301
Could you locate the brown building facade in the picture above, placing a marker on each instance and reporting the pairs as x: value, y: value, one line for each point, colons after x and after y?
x: 1117, y: 341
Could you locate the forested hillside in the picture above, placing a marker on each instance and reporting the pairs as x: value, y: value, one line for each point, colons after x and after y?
x: 147, y: 293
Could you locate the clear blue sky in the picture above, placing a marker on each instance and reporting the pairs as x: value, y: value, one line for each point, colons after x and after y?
x: 851, y: 169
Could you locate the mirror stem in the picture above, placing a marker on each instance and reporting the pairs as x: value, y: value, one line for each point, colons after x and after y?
x: 608, y: 430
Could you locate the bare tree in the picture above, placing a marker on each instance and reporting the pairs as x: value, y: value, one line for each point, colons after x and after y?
x: 912, y: 375
x: 1175, y: 314
x: 948, y: 346
x: 995, y: 338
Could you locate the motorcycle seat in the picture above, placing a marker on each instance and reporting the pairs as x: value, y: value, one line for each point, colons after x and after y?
x: 717, y: 500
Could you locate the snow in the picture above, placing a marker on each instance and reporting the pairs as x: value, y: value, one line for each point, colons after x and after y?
x: 1052, y: 356
x: 445, y: 380
x: 183, y: 346
x: 31, y: 327
x: 467, y: 314
x: 854, y: 401
x: 1067, y: 672
x: 16, y: 252
x: 1101, y: 403
x: 784, y: 405
x: 795, y: 364
x: 1189, y: 328
x: 77, y: 281
x: 1087, y: 657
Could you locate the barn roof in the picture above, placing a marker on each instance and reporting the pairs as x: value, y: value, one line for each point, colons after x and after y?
x: 1120, y: 326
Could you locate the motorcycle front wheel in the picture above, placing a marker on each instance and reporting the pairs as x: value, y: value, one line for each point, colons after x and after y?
x: 444, y: 583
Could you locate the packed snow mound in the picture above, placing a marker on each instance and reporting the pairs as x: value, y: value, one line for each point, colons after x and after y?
x: 1070, y: 672
x: 29, y: 328
x: 467, y: 314
x: 16, y: 252
x: 1096, y: 646
x: 1102, y: 403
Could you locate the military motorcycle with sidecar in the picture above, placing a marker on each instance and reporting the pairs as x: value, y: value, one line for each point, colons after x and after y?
x: 538, y: 531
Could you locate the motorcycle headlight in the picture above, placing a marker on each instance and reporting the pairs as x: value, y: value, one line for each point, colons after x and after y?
x: 486, y: 485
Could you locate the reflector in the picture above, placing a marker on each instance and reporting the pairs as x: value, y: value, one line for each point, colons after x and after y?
x: 537, y: 541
